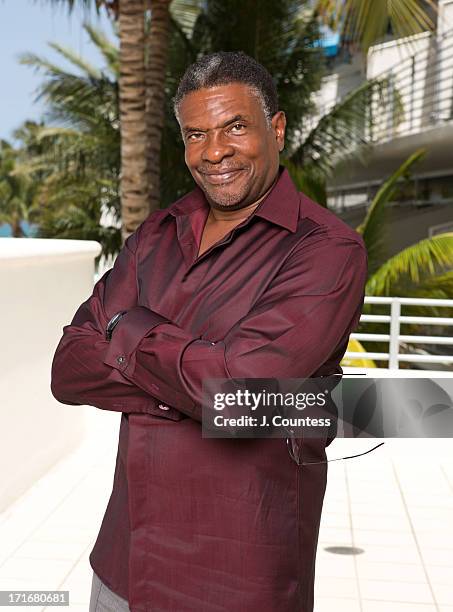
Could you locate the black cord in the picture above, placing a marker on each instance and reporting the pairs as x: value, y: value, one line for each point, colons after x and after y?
x: 341, y: 458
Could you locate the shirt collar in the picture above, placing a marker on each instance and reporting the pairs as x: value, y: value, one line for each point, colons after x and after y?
x: 280, y: 206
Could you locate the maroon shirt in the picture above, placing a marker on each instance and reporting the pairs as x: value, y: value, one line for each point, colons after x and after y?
x: 205, y: 524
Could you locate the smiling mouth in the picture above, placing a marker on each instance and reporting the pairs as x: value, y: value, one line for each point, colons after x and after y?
x: 221, y: 178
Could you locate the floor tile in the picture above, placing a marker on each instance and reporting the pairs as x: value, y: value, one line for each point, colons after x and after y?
x: 62, y: 550
x: 391, y: 554
x: 335, y: 534
x: 437, y: 556
x: 440, y: 574
x: 46, y: 571
x: 368, y: 537
x: 339, y: 566
x: 395, y: 572
x: 335, y: 604
x: 78, y: 583
x: 395, y: 606
x: 443, y: 593
x: 337, y: 587
x: 406, y: 592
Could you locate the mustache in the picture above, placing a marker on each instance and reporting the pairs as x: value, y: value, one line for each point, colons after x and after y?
x: 219, y: 170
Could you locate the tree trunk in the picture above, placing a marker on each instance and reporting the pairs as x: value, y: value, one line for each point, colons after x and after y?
x: 16, y: 229
x: 134, y: 201
x: 157, y: 53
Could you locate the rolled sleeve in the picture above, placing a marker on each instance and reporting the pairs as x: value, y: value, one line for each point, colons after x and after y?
x: 82, y: 373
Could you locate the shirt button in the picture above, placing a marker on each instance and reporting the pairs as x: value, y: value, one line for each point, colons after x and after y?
x: 120, y: 359
x: 162, y: 407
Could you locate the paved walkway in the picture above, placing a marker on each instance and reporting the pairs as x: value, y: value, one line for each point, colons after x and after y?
x: 395, y: 505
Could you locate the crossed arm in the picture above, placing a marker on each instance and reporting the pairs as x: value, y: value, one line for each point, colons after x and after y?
x: 304, y: 316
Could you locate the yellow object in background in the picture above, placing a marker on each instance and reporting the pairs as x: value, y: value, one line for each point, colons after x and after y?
x: 356, y: 347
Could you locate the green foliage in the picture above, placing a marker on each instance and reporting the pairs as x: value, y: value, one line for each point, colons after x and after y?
x: 367, y: 22
x: 414, y: 269
x: 308, y: 179
x: 280, y: 35
x: 75, y: 158
x: 17, y: 193
x: 376, y: 218
x: 422, y: 270
x: 405, y: 272
x: 77, y: 162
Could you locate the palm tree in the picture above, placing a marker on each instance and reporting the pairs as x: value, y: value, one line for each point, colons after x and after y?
x: 291, y: 56
x: 269, y: 31
x: 157, y: 48
x: 74, y: 100
x: 134, y: 197
x: 143, y: 60
x: 76, y: 160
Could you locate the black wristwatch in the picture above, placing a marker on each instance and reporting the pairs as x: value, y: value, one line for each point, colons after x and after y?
x: 113, y: 323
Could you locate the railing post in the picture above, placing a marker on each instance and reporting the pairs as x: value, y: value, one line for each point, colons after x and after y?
x: 394, y: 344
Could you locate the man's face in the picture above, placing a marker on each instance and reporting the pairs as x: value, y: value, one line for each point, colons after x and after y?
x: 230, y: 150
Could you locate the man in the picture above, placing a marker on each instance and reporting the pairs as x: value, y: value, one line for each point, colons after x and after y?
x: 242, y: 277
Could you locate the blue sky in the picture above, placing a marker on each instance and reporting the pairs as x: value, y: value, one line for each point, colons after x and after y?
x: 27, y: 26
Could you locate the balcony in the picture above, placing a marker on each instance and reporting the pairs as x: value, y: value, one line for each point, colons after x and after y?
x: 417, y: 112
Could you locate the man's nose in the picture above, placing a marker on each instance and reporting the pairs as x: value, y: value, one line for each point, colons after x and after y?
x: 217, y: 147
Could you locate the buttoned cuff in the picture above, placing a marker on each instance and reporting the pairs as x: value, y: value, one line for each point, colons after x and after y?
x: 128, y: 334
x: 135, y: 325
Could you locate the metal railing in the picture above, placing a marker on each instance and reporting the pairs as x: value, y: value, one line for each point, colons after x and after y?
x: 422, y: 86
x: 419, y: 94
x: 395, y: 339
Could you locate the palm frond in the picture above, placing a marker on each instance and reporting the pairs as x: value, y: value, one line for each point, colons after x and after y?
x: 440, y: 286
x: 107, y: 49
x: 404, y: 271
x: 75, y: 100
x: 346, y: 125
x: 78, y: 61
x: 372, y: 18
x: 190, y: 48
x: 40, y: 63
x: 50, y: 132
x: 185, y: 13
x: 372, y: 227
x: 366, y: 23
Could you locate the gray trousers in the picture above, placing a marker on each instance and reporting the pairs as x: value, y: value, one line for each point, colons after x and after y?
x: 104, y: 600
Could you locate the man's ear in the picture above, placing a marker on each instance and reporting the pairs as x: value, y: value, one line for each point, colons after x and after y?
x: 279, y: 127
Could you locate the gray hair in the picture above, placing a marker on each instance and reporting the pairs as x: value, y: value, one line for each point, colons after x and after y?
x: 223, y: 68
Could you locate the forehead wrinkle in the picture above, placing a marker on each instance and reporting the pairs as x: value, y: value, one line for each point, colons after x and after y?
x: 238, y: 117
x: 216, y: 102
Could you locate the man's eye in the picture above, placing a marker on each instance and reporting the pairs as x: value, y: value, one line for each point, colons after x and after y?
x: 194, y: 136
x: 238, y: 127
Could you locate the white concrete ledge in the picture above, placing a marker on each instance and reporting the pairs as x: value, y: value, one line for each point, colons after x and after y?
x: 39, y: 249
x: 42, y: 283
